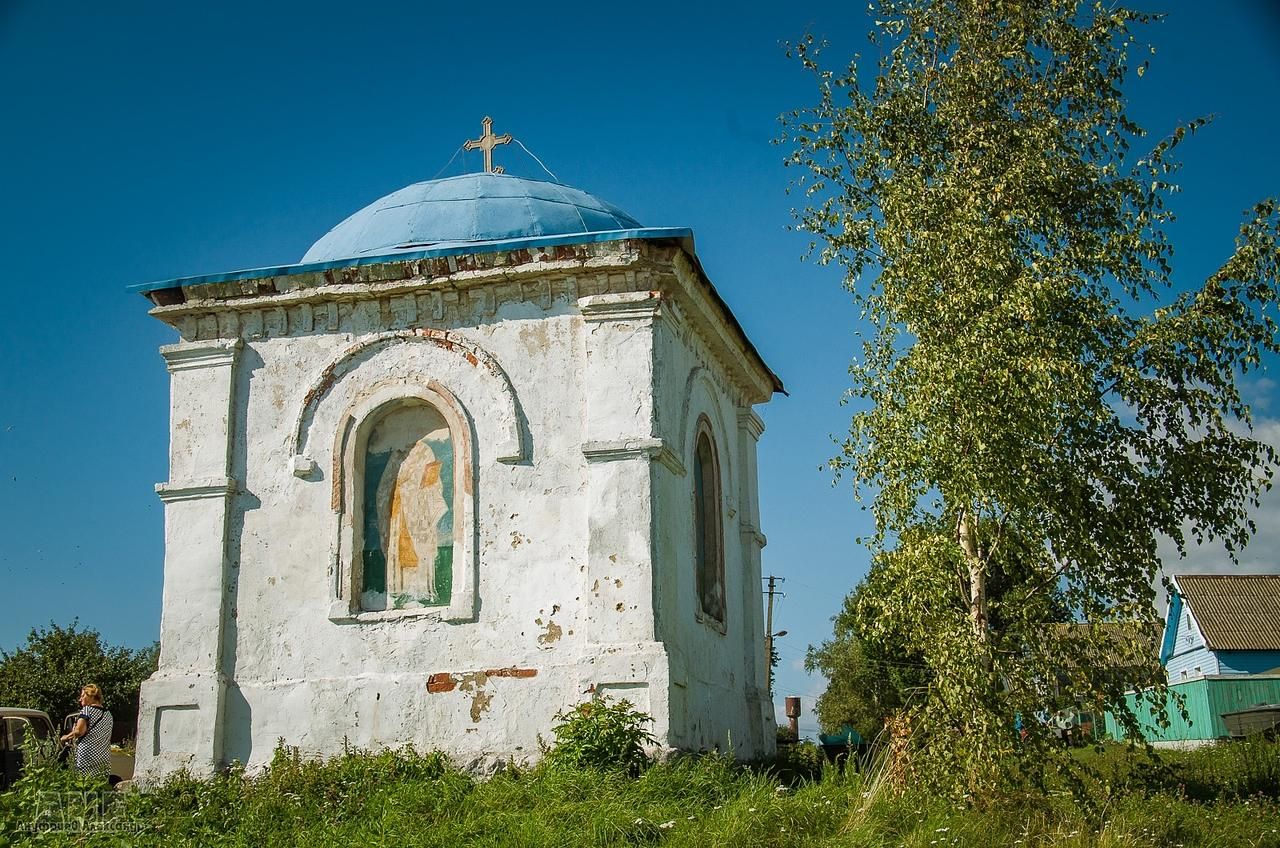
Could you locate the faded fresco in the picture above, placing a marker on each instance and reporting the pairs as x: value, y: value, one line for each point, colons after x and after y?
x: 408, y: 514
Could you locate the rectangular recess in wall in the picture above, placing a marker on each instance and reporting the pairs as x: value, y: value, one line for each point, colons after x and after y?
x: 177, y: 725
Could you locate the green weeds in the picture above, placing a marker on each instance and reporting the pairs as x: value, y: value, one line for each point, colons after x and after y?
x: 600, y: 735
x: 403, y: 797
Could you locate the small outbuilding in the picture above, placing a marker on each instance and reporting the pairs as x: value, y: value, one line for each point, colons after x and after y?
x: 1221, y: 651
x: 487, y: 451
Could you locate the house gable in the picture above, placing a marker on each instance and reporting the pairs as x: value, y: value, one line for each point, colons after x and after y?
x: 1184, y: 652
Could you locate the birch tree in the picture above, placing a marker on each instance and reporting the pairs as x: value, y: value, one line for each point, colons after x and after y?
x: 1032, y: 398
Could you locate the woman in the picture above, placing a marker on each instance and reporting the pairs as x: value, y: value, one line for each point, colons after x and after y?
x: 92, y: 732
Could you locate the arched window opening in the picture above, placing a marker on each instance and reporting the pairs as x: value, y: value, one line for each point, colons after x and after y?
x: 408, y: 510
x: 709, y: 539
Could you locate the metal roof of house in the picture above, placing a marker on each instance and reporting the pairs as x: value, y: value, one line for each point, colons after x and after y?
x: 1236, y: 612
x: 1117, y: 644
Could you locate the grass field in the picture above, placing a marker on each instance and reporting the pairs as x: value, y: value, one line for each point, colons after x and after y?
x: 1226, y: 796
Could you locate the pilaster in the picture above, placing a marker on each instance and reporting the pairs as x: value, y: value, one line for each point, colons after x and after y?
x: 760, y: 704
x: 623, y: 452
x: 180, y: 719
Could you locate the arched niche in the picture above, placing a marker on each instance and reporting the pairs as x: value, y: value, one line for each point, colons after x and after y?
x: 427, y: 354
x: 342, y: 412
x: 702, y: 398
x: 708, y: 526
x: 404, y: 491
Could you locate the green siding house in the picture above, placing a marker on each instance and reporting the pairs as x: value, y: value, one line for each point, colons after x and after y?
x: 1221, y: 651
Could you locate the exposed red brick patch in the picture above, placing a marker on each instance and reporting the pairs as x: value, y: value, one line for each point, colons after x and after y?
x: 511, y: 672
x: 444, y: 681
x: 441, y: 682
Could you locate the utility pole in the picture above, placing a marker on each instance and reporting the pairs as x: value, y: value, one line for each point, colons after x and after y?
x: 768, y: 627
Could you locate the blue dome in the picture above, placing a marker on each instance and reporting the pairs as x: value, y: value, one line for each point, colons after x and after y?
x: 473, y: 208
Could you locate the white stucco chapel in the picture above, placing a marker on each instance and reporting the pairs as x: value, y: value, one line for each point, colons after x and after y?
x: 487, y: 451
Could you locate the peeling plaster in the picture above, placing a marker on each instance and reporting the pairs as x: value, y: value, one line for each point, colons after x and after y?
x: 599, y: 442
x: 480, y: 705
x: 552, y: 635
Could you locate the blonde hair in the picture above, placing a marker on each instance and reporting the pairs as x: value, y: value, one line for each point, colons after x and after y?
x: 93, y: 693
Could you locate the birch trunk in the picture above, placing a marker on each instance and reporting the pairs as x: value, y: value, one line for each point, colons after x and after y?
x: 968, y: 533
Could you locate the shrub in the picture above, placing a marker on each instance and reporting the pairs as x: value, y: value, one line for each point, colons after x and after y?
x: 47, y: 672
x: 602, y: 736
x: 799, y: 762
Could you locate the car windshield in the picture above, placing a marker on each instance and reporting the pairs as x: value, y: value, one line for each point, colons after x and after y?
x: 20, y: 725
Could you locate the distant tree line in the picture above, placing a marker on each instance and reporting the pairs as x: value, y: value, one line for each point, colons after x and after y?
x: 48, y: 671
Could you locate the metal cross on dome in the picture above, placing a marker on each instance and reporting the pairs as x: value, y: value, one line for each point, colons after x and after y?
x: 486, y: 142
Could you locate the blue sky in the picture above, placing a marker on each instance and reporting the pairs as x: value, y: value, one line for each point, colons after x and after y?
x: 147, y: 140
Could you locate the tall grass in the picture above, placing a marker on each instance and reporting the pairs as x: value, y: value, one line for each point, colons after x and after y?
x: 403, y: 798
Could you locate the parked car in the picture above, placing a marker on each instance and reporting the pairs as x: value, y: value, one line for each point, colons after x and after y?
x: 15, y: 725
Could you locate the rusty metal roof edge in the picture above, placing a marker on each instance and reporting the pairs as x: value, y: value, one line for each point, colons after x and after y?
x: 774, y: 379
x: 683, y: 234
x: 456, y: 249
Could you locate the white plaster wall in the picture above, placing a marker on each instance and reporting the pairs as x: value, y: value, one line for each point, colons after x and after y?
x: 311, y: 681
x: 583, y: 564
x: 718, y: 700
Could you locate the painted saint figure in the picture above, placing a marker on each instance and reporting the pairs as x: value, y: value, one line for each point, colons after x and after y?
x: 408, y: 511
x: 410, y: 496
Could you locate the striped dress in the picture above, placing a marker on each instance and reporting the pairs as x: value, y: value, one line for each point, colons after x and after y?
x: 93, y: 750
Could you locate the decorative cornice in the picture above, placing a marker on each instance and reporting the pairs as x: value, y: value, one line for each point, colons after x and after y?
x: 186, y: 356
x: 752, y: 423
x: 624, y: 449
x: 621, y: 306
x: 752, y: 534
x: 725, y: 339
x: 578, y: 248
x: 525, y: 272
x: 196, y: 490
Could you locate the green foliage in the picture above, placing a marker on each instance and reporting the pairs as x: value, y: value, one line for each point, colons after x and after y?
x: 405, y: 798
x: 798, y: 762
x: 51, y: 794
x: 601, y: 735
x: 1230, y: 770
x: 1032, y: 408
x: 774, y: 659
x: 296, y: 793
x: 48, y: 672
x: 869, y: 673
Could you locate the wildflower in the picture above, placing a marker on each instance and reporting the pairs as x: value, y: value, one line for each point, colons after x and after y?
x: 942, y: 830
x: 751, y: 809
x: 667, y: 825
x: 638, y: 821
